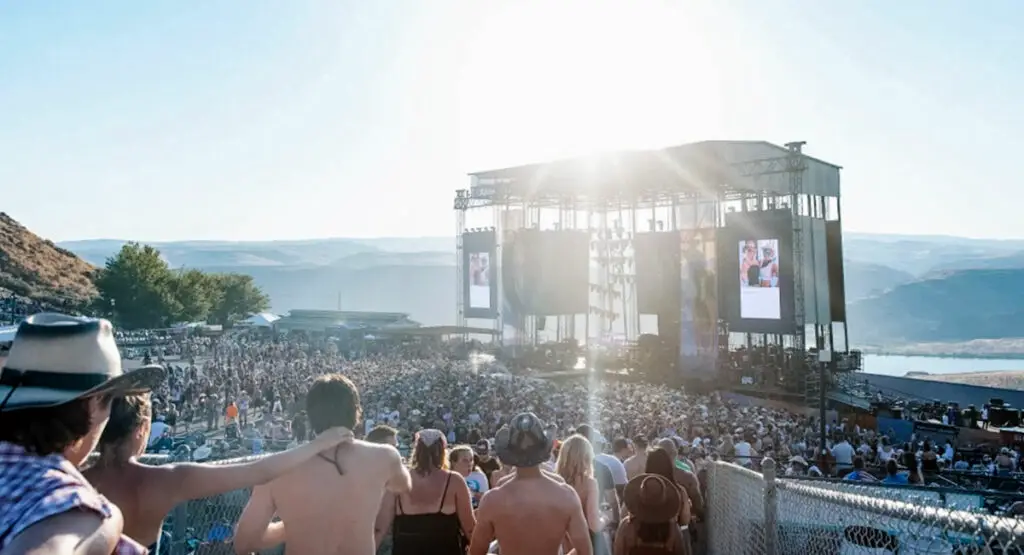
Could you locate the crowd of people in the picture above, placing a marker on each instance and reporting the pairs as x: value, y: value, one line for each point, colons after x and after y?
x: 593, y: 465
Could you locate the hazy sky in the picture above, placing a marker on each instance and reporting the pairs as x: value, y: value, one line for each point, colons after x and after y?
x: 261, y: 119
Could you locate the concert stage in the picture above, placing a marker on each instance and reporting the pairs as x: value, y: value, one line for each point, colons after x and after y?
x: 704, y: 245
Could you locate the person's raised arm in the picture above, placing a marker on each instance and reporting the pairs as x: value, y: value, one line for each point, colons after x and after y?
x: 73, y: 532
x: 255, y: 532
x: 483, y: 532
x: 579, y: 534
x: 184, y: 482
x: 398, y: 480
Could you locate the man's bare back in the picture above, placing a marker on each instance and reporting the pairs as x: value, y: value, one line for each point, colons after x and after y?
x: 322, y: 511
x: 635, y: 465
x: 530, y: 515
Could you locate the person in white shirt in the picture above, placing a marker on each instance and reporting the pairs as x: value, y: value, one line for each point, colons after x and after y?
x: 843, y: 453
x: 156, y: 431
x: 743, y: 451
x: 461, y: 461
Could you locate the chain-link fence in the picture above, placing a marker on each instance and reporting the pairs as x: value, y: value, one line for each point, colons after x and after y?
x: 748, y: 513
x: 751, y: 513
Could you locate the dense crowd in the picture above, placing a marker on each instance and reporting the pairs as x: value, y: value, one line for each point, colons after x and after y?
x: 609, y: 439
x: 239, y: 377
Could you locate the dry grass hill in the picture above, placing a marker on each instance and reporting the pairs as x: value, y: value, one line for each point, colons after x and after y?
x: 34, y: 267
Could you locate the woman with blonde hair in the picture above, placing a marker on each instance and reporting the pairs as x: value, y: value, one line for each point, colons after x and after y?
x: 462, y: 461
x: 436, y: 516
x: 576, y: 465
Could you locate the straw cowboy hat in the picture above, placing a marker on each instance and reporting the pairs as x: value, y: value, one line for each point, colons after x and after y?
x: 652, y: 498
x: 56, y: 358
x: 523, y: 442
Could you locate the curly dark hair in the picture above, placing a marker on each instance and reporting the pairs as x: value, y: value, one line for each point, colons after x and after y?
x: 48, y: 430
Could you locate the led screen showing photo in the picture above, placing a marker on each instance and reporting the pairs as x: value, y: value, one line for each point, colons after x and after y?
x: 480, y: 280
x: 480, y: 264
x: 760, y: 295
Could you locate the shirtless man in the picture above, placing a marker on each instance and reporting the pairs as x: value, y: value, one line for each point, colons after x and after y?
x: 327, y: 505
x: 637, y: 464
x: 530, y: 513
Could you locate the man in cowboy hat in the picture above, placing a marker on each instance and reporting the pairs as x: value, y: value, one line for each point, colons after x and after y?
x: 56, y: 387
x: 532, y: 511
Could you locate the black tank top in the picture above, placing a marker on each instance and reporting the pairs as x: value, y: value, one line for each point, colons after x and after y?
x: 435, y: 533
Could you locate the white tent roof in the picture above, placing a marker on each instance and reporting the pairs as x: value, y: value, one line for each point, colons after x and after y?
x: 263, y: 319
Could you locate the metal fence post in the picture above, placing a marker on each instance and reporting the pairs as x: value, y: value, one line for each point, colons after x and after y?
x: 180, y: 513
x: 771, y: 509
x: 180, y: 528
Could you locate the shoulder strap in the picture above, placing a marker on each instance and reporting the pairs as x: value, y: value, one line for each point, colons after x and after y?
x: 445, y: 494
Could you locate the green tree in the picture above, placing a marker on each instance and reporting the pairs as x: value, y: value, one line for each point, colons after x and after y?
x: 136, y: 288
x: 195, y: 293
x: 236, y: 297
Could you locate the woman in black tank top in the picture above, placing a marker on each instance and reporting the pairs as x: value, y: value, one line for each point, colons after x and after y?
x: 438, y: 532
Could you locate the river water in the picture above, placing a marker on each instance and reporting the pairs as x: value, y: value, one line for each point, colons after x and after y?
x: 899, y: 365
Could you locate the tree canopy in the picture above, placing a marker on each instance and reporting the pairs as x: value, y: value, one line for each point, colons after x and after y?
x: 137, y: 289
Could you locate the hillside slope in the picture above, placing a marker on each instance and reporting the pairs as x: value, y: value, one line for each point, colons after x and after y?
x: 864, y: 279
x: 954, y: 306
x: 34, y: 267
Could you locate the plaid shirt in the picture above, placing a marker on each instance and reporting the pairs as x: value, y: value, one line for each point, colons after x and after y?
x: 34, y: 488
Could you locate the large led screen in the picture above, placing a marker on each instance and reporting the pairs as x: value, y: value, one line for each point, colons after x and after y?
x: 547, y: 273
x: 656, y: 256
x: 480, y: 294
x: 756, y: 289
x: 836, y: 279
x: 760, y: 295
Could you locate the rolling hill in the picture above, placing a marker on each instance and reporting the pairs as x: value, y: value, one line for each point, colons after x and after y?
x: 866, y: 279
x: 942, y: 307
x: 34, y: 267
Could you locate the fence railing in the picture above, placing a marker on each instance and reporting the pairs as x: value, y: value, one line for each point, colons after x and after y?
x: 752, y: 513
x: 748, y: 513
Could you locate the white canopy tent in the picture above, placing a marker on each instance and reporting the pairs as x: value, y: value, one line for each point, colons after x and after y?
x: 262, y: 320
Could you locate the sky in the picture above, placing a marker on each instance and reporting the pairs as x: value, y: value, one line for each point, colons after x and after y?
x: 261, y: 119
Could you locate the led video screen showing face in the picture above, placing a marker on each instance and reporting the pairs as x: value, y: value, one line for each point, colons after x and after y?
x: 760, y: 295
x: 480, y: 280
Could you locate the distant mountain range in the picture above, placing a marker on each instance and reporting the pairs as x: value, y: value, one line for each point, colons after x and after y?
x: 900, y: 289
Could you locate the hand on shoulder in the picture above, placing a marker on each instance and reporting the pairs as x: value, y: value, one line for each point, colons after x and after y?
x: 334, y: 436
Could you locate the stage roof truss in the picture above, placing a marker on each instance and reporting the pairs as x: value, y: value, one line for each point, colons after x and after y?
x: 710, y: 170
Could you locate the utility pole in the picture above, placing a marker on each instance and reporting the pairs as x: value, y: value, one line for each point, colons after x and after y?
x: 824, y: 361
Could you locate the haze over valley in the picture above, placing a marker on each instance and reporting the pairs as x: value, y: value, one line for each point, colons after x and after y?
x: 925, y: 294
